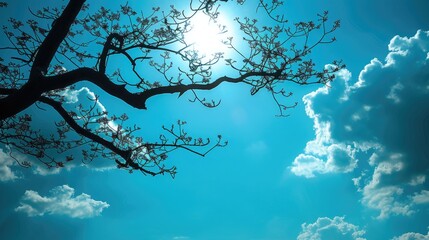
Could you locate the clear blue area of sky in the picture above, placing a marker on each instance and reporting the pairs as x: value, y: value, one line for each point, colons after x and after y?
x: 245, y: 190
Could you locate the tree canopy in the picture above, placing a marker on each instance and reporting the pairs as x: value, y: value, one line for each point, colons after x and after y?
x: 49, y: 56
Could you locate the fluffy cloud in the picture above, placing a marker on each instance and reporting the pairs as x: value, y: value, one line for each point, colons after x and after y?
x: 60, y: 201
x: 326, y: 228
x: 412, y: 236
x: 82, y: 96
x: 6, y: 163
x: 422, y: 197
x: 323, y: 155
x: 382, y: 119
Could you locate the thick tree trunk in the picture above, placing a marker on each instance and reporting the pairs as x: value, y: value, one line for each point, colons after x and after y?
x: 33, y: 89
x: 19, y: 100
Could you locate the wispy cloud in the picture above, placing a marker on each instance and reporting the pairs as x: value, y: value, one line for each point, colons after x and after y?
x: 382, y: 119
x: 6, y: 165
x: 60, y: 201
x: 327, y: 228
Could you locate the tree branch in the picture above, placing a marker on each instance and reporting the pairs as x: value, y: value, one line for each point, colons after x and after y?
x: 137, y: 100
x: 33, y: 89
x: 125, y: 154
x: 107, y: 47
x: 56, y: 35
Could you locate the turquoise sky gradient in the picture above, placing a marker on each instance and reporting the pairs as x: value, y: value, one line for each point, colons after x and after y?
x: 279, y: 178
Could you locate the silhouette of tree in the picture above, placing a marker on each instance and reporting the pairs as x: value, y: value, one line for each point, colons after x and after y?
x: 48, y: 56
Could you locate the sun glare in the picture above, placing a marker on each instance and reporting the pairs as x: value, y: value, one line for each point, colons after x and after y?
x: 206, y: 35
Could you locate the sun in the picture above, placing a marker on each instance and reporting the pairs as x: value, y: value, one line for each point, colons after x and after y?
x: 206, y: 35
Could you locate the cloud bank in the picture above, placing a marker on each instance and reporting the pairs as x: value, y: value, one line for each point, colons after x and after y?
x: 327, y: 228
x: 380, y: 119
x: 60, y: 201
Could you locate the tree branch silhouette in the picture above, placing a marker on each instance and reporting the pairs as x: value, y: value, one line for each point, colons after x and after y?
x: 43, y: 65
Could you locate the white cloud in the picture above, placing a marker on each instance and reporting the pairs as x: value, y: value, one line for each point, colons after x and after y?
x: 60, y: 201
x: 421, y: 198
x: 383, y: 197
x: 383, y: 114
x: 41, y: 169
x: 6, y: 163
x: 412, y: 236
x: 327, y: 155
x: 322, y: 155
x: 307, y: 166
x: 85, y: 97
x: 72, y: 96
x: 326, y: 228
x: 417, y: 180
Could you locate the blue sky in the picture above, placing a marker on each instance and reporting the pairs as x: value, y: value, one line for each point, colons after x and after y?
x: 350, y: 162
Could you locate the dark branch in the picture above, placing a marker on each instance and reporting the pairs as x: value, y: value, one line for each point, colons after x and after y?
x: 125, y: 154
x: 137, y: 100
x: 106, y: 48
x: 55, y: 37
x: 266, y: 57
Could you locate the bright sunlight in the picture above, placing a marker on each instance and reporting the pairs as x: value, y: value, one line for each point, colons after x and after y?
x: 206, y: 35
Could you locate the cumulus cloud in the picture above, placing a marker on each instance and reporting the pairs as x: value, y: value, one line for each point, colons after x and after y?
x: 6, y: 165
x: 60, y: 201
x: 323, y: 155
x: 327, y: 228
x: 412, y: 236
x: 382, y: 119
